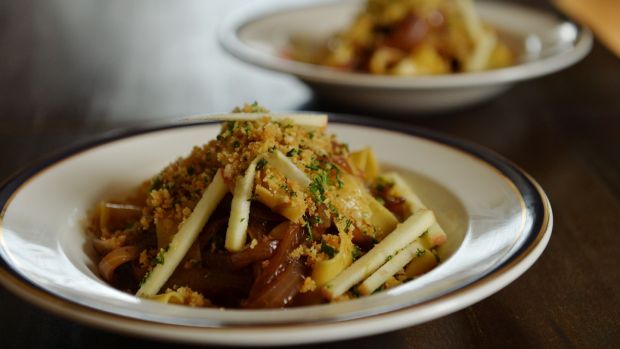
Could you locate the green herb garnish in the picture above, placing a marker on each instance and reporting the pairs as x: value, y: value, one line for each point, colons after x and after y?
x: 308, y: 229
x: 159, y: 259
x: 260, y: 164
x: 356, y: 253
x: 230, y: 126
x: 157, y: 183
x: 317, y: 187
x: 146, y: 276
x: 328, y: 250
x: 348, y: 224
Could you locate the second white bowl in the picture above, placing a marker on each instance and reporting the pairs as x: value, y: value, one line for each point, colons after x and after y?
x: 259, y: 33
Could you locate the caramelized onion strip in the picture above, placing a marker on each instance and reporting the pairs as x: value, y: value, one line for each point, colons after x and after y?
x: 281, y: 291
x: 291, y: 238
x: 263, y: 250
x: 115, y: 259
x: 210, y: 282
x: 104, y: 246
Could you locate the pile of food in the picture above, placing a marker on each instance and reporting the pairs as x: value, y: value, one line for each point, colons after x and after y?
x: 410, y: 38
x: 274, y: 212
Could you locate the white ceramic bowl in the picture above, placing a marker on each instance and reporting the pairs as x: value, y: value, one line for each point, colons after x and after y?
x: 498, y: 222
x: 258, y: 34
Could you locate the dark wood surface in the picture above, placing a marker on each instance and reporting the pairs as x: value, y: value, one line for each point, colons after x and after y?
x: 72, y: 69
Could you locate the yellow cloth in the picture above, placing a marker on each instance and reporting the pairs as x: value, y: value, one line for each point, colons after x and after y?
x: 603, y: 16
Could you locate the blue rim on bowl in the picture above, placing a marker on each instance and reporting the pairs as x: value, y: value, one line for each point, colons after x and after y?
x: 537, y: 223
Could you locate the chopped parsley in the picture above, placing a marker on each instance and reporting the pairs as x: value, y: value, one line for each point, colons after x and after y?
x: 284, y: 186
x: 292, y: 152
x: 314, y: 165
x: 146, y: 276
x: 257, y: 108
x: 317, y: 187
x: 315, y: 220
x: 356, y: 253
x: 260, y: 164
x: 382, y: 185
x: 285, y: 126
x: 348, y: 224
x: 339, y: 181
x: 251, y: 108
x: 308, y: 229
x: 419, y: 253
x: 328, y: 250
x: 246, y: 128
x: 157, y: 183
x: 333, y: 210
x: 159, y: 259
x: 230, y: 126
x: 322, y: 180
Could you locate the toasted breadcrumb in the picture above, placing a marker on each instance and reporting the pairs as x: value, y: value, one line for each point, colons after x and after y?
x: 308, y: 285
x: 191, y: 297
x: 174, y: 192
x: 171, y: 196
x: 144, y: 259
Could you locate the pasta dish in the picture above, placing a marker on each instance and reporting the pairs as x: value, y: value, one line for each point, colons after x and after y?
x: 275, y: 212
x: 410, y: 38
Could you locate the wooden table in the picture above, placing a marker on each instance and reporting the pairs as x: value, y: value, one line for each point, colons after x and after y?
x: 73, y: 69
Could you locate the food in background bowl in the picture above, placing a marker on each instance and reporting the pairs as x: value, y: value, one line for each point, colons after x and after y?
x: 410, y: 38
x: 274, y: 212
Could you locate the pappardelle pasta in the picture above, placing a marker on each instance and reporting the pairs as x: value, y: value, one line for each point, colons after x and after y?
x: 275, y: 212
x: 410, y: 38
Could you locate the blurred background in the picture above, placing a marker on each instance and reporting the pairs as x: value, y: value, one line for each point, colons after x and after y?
x: 134, y: 60
x: 144, y: 59
x: 73, y: 69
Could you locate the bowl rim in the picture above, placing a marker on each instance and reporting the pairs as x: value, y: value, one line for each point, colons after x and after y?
x: 232, y: 24
x: 496, y: 278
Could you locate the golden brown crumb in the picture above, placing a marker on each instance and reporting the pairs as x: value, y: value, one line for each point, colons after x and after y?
x: 332, y: 240
x: 308, y: 285
x: 310, y: 252
x: 144, y: 259
x: 175, y: 191
x: 193, y: 298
